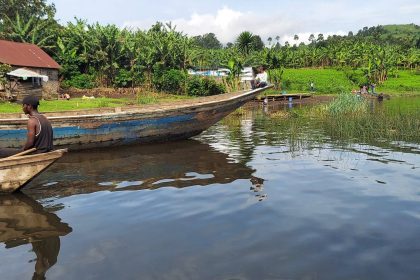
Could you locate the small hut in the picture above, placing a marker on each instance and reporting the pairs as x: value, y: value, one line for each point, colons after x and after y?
x: 33, y: 71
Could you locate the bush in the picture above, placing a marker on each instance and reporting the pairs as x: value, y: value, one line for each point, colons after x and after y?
x: 123, y: 78
x: 356, y: 77
x: 198, y: 86
x: 82, y: 81
x: 171, y: 80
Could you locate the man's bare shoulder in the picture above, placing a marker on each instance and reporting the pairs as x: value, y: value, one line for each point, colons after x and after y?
x: 32, y: 121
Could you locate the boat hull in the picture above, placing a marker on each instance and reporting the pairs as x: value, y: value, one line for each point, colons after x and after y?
x: 15, y: 172
x: 129, y: 125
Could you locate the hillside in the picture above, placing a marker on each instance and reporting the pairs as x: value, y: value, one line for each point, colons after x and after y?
x: 407, y: 35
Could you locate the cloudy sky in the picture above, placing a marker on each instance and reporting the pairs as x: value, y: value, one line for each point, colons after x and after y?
x: 227, y: 18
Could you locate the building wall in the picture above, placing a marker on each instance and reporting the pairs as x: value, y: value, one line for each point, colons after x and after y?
x: 50, y: 88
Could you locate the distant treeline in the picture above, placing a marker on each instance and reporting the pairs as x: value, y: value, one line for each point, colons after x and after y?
x: 94, y: 55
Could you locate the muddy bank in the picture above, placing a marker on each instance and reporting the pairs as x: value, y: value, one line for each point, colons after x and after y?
x: 102, y: 92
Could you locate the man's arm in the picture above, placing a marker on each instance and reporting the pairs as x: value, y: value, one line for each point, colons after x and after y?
x: 30, y: 139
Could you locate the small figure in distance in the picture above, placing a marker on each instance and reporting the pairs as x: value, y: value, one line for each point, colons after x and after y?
x: 261, y: 79
x: 40, y: 133
x: 363, y: 89
x: 65, y: 96
x: 372, y: 87
x: 312, y: 86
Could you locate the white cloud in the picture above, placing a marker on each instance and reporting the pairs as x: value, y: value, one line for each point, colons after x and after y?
x: 303, y: 19
x: 227, y: 24
x: 410, y: 9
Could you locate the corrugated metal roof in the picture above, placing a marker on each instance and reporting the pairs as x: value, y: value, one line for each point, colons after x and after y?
x: 24, y: 54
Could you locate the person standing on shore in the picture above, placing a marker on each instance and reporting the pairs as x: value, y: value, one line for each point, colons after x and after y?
x: 372, y: 87
x: 40, y: 133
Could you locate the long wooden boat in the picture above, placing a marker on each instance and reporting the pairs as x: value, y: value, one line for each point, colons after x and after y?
x: 132, y: 124
x: 15, y: 172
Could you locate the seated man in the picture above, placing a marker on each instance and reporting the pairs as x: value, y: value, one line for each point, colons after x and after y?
x: 40, y: 133
x: 261, y: 79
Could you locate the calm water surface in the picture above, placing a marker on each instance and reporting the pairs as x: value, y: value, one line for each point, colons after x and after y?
x: 240, y: 201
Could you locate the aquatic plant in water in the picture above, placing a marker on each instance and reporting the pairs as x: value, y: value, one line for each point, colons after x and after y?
x: 347, y: 103
x: 352, y: 117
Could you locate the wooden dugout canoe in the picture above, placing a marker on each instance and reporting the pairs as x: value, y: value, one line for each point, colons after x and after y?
x: 15, y: 172
x: 132, y: 124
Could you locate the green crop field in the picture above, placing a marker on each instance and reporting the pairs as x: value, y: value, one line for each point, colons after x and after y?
x: 406, y: 82
x: 332, y: 81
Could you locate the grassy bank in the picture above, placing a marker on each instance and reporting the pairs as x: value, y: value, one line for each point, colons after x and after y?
x: 332, y: 81
x: 88, y: 103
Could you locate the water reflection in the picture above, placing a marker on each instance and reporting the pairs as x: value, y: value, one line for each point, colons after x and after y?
x: 22, y: 221
x: 177, y: 164
x: 329, y: 202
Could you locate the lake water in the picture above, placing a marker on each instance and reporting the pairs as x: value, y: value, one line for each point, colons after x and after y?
x: 243, y: 200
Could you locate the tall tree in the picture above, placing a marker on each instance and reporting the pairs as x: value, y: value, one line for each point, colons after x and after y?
x: 208, y: 41
x: 26, y: 9
x: 30, y: 21
x: 257, y: 43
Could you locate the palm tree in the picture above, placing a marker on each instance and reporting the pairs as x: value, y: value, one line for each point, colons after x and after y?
x: 35, y: 31
x: 245, y: 41
x: 311, y: 38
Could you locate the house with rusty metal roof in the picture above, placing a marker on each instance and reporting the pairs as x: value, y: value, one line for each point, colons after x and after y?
x: 33, y: 71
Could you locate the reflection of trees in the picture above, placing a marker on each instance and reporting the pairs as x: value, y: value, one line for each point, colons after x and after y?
x: 22, y: 221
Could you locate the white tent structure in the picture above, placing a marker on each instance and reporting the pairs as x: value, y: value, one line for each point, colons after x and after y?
x: 25, y: 74
x: 23, y: 82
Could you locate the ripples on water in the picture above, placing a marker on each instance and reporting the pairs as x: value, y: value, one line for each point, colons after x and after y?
x: 237, y: 202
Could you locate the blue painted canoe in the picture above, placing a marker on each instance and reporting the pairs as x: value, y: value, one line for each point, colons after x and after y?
x: 125, y: 125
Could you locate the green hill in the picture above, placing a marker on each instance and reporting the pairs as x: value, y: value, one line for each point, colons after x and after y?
x: 407, y: 35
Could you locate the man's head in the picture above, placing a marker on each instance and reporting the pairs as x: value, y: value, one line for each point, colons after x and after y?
x: 30, y: 103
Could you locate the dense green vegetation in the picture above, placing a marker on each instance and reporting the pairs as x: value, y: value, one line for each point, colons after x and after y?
x: 94, y: 55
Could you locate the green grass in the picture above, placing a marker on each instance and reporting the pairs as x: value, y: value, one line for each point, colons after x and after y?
x: 153, y: 98
x: 102, y: 102
x: 325, y: 80
x: 347, y: 103
x: 66, y: 105
x: 404, y: 82
x: 351, y: 117
x: 332, y: 81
